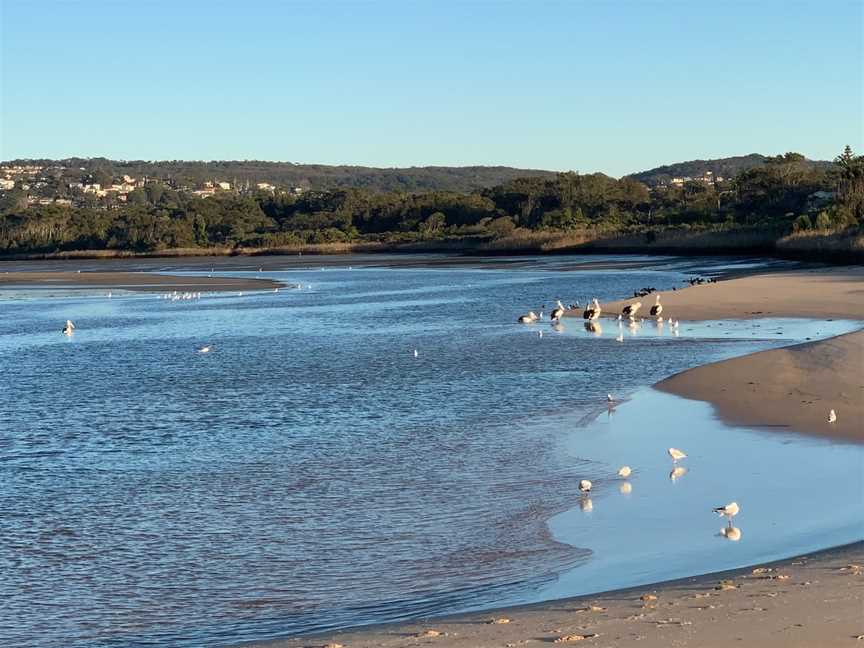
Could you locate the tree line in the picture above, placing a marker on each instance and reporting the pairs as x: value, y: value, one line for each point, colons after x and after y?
x: 783, y: 194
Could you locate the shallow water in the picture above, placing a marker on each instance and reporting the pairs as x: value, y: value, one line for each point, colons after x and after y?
x: 311, y: 472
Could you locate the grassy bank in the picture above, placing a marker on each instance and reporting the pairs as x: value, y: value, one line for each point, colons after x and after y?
x: 822, y: 246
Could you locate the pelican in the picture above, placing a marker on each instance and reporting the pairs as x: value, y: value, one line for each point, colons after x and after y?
x: 624, y: 471
x: 584, y: 486
x: 729, y: 511
x: 592, y: 312
x: 530, y: 318
x: 832, y: 416
x: 676, y: 454
x: 70, y: 327
x: 630, y: 310
x: 610, y: 398
x: 731, y: 533
x: 205, y: 349
x: 558, y: 312
x: 677, y: 472
x: 657, y: 308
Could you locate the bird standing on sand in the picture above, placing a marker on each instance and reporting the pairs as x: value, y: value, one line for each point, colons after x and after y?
x: 630, y: 310
x: 624, y: 471
x: 832, y: 416
x: 676, y: 454
x: 729, y: 511
x: 592, y: 312
x: 70, y: 328
x: 558, y: 312
x: 657, y: 308
x: 584, y: 486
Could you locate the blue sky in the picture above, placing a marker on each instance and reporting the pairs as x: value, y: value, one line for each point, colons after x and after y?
x: 589, y: 86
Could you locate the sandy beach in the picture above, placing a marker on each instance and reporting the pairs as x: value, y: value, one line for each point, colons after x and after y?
x: 792, y: 388
x: 808, y: 602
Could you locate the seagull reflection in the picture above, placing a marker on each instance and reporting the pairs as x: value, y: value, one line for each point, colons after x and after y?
x: 586, y: 505
x: 625, y: 488
x: 677, y: 473
x: 730, y: 533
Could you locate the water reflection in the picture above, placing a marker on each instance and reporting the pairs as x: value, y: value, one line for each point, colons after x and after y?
x: 594, y: 327
x: 731, y: 533
x: 677, y: 473
x: 625, y: 488
x: 586, y: 505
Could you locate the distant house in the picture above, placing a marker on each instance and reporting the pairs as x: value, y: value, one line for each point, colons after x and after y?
x: 7, y: 185
x: 225, y: 186
x: 204, y: 193
x: 265, y: 186
x: 65, y: 202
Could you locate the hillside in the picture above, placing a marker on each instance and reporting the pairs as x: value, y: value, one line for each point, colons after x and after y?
x: 318, y: 177
x: 724, y: 167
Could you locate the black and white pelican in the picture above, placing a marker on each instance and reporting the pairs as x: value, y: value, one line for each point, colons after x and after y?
x: 69, y: 328
x: 530, y: 318
x: 557, y: 312
x: 592, y: 311
x: 657, y: 308
x: 630, y: 310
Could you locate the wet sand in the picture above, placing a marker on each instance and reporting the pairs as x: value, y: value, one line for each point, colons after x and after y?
x: 137, y: 281
x: 807, y: 602
x: 792, y: 388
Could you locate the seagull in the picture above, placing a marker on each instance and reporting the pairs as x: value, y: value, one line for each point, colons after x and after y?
x: 416, y: 354
x: 624, y: 471
x: 205, y: 349
x: 832, y: 416
x: 676, y: 454
x: 731, y: 533
x: 610, y: 398
x: 584, y: 486
x: 730, y: 510
x: 69, y: 328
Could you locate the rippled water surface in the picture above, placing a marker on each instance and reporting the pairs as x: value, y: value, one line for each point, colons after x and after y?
x: 310, y: 471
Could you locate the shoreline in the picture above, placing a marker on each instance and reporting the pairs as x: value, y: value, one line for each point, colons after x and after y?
x: 701, y: 611
x: 133, y: 281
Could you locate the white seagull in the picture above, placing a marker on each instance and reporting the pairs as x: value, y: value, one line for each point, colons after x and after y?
x: 624, y: 471
x: 205, y: 349
x: 584, y: 486
x: 69, y: 328
x: 729, y: 511
x: 676, y: 454
x: 416, y: 354
x: 832, y: 416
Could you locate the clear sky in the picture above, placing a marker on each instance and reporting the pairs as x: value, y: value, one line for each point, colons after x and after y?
x: 589, y: 86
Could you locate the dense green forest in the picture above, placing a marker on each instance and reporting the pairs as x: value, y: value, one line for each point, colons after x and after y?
x: 316, y: 177
x: 781, y: 195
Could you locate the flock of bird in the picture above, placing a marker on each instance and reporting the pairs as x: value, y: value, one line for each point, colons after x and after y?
x: 593, y: 310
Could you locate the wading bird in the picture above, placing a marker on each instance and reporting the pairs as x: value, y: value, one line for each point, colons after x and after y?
x: 624, y: 471
x: 630, y: 310
x: 558, y: 312
x: 729, y: 511
x: 530, y: 318
x: 69, y: 328
x: 592, y: 312
x: 676, y: 454
x: 832, y: 416
x: 584, y: 486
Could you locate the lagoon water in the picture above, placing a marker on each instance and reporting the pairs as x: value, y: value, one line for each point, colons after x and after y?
x: 311, y: 472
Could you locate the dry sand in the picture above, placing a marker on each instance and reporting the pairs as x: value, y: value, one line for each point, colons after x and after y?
x: 805, y: 602
x: 138, y: 281
x: 791, y: 388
